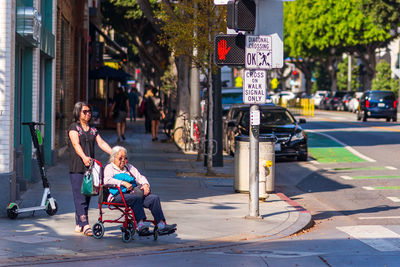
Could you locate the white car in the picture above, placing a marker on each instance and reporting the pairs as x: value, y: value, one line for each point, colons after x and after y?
x: 318, y: 96
x: 353, y: 103
x: 284, y: 95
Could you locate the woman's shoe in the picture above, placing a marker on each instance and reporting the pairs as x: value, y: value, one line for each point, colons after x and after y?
x: 154, y: 139
x: 87, y: 231
x: 78, y: 229
x: 123, y: 137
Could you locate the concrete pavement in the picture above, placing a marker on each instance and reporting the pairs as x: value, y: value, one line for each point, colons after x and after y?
x: 208, y: 212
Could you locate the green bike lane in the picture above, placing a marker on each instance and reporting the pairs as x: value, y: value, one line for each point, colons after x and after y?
x: 352, y: 168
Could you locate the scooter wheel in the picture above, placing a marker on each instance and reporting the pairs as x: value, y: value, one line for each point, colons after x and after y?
x: 98, y: 230
x: 49, y: 210
x: 126, y: 235
x: 12, y: 211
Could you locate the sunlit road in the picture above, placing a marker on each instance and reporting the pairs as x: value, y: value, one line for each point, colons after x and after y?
x: 355, y: 207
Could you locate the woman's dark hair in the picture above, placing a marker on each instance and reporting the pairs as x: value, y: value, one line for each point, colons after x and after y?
x: 76, y: 113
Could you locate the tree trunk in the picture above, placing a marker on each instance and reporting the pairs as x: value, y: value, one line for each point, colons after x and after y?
x: 183, y: 67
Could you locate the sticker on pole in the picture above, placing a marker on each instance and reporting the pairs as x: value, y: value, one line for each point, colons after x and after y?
x: 255, y: 117
x: 254, y: 87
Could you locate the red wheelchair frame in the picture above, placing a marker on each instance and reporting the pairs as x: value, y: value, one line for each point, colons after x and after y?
x: 127, y: 218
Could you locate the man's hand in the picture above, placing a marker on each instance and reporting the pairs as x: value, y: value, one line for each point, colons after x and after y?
x: 146, y: 189
x: 222, y: 49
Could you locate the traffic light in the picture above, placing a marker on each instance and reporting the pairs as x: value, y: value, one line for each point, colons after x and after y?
x: 229, y: 49
x: 295, y: 75
x: 241, y: 15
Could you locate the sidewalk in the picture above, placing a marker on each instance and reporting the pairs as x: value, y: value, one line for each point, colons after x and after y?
x: 208, y: 212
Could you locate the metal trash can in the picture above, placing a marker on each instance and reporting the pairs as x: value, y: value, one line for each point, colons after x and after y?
x: 266, y: 174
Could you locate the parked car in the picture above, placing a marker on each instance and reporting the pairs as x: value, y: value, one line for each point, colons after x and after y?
x: 332, y: 101
x: 228, y: 128
x: 231, y: 96
x: 284, y: 95
x: 318, y: 96
x: 344, y: 102
x: 276, y: 120
x: 353, y: 103
x: 377, y: 104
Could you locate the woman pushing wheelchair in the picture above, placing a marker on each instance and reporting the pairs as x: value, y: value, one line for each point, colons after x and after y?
x: 136, y: 192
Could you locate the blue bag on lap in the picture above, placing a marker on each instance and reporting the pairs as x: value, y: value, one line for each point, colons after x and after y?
x: 123, y: 177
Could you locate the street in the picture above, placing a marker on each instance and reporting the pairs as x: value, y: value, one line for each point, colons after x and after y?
x: 354, y: 206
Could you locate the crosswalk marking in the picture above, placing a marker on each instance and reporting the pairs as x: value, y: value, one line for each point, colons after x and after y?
x: 368, y: 188
x: 391, y: 168
x: 394, y: 187
x: 375, y: 236
x: 379, y: 217
x: 376, y: 177
x: 394, y: 199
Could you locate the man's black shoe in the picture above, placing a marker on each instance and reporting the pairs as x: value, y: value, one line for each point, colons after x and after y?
x: 168, y: 229
x: 143, y: 231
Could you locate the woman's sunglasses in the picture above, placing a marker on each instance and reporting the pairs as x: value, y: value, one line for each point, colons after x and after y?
x: 85, y: 112
x: 122, y: 158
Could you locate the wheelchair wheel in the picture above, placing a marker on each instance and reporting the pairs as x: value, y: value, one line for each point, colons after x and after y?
x: 126, y: 235
x: 131, y: 227
x: 98, y: 230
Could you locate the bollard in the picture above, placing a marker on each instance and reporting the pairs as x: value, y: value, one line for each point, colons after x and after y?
x: 266, y: 158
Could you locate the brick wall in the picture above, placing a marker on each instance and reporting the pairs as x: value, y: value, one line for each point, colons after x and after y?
x: 7, y: 80
x: 70, y: 65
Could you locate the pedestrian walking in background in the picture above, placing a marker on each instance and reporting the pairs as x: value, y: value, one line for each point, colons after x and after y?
x: 156, y: 113
x: 119, y: 111
x: 133, y: 101
x: 82, y: 138
x: 147, y: 112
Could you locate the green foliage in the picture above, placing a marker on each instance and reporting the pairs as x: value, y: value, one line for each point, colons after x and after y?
x: 314, y: 27
x: 192, y: 25
x: 342, y: 76
x: 169, y: 81
x: 384, y: 12
x: 322, y: 79
x: 383, y: 79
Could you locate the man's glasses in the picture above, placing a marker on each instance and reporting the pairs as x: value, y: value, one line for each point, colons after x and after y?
x: 85, y: 112
x: 122, y: 158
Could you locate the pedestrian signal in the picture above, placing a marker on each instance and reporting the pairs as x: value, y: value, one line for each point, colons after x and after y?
x: 229, y: 49
x: 241, y: 15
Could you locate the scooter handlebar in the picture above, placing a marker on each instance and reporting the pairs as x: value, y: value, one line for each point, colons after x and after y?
x: 33, y: 123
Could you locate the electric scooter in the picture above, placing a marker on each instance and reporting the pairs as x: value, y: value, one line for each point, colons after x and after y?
x: 48, y: 203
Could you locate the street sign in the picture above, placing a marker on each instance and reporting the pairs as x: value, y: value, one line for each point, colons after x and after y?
x: 255, y: 117
x: 263, y: 52
x: 220, y: 2
x: 254, y: 86
x: 229, y: 49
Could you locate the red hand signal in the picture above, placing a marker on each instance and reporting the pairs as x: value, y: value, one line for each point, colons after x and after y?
x: 222, y: 49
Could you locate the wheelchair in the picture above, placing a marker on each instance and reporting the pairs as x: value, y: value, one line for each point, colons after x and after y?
x: 126, y: 218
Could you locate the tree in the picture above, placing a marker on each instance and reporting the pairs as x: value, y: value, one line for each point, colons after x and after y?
x: 325, y: 29
x: 136, y: 22
x: 201, y: 20
x: 383, y: 79
x: 342, y: 75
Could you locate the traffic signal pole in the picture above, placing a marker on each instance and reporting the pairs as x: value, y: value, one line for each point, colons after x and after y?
x: 254, y: 211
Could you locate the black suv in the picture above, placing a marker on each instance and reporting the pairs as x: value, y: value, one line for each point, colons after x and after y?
x: 377, y: 104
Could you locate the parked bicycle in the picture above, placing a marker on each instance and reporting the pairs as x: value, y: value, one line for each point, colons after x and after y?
x: 187, y: 137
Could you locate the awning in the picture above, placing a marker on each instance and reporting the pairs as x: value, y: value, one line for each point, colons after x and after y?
x: 108, y: 39
x: 106, y: 72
